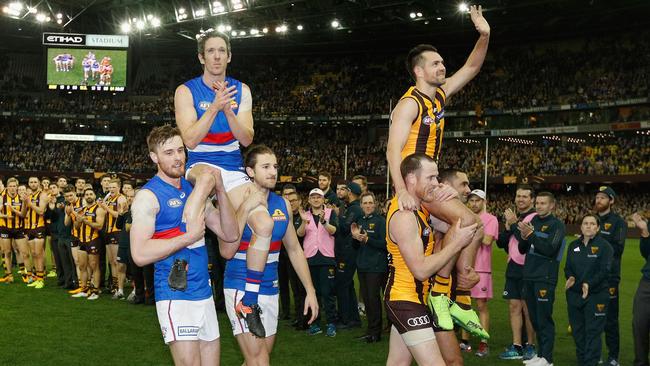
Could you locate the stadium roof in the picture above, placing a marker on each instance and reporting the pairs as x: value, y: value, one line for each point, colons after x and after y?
x: 362, y: 24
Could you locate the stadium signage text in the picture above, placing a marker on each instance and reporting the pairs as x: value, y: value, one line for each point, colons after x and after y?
x: 89, y: 40
x: 64, y: 39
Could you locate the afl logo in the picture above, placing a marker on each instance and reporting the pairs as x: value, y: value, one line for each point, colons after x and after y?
x: 427, y: 120
x: 174, y: 202
x: 418, y: 321
x: 203, y: 105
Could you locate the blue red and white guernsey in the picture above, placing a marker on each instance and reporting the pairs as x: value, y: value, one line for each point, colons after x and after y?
x: 219, y: 147
x: 235, y: 274
x: 169, y: 225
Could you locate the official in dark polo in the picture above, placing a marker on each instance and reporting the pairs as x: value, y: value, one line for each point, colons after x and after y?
x: 613, y: 229
x: 346, y: 261
x: 542, y: 240
x: 587, y: 270
x: 369, y: 234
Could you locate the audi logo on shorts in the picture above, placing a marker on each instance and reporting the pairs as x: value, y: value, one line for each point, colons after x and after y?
x: 418, y: 321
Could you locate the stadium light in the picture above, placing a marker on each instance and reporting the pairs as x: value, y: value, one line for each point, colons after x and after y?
x: 419, y: 14
x: 299, y: 27
x: 181, y: 10
x: 254, y: 31
x: 11, y: 11
x: 199, y: 13
x: 463, y: 8
x: 149, y: 16
x: 16, y: 5
x: 59, y: 21
x: 40, y: 17
x: 125, y: 27
x: 59, y: 16
x: 140, y: 25
x: 281, y: 28
x: 265, y: 30
x: 228, y: 28
x: 155, y: 22
x: 236, y: 5
x: 217, y: 7
x: 32, y: 10
x: 412, y: 15
x: 221, y: 28
x: 47, y: 19
x: 438, y: 18
x: 233, y: 33
x: 242, y: 33
x: 335, y: 23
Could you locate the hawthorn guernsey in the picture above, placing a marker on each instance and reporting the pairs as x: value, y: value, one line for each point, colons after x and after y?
x: 171, y: 201
x: 219, y: 147
x: 235, y: 274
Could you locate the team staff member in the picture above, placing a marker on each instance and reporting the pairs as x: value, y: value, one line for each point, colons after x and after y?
x: 542, y: 240
x: 613, y: 229
x: 324, y: 183
x: 640, y: 309
x: 318, y: 227
x: 346, y: 260
x: 514, y: 285
x: 297, y: 289
x: 412, y: 262
x: 61, y: 238
x: 369, y: 234
x: 587, y: 269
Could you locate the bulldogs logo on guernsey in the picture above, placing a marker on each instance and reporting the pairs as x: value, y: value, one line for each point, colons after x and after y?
x: 171, y: 201
x: 235, y: 274
x: 219, y: 147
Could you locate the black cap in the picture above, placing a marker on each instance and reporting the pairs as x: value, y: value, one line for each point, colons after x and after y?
x: 354, y: 188
x: 608, y: 191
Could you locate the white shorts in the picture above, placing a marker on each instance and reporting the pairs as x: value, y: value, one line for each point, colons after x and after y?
x: 184, y: 320
x: 231, y: 179
x: 268, y: 304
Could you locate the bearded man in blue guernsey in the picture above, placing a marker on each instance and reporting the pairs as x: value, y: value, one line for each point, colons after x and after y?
x: 214, y: 116
x: 159, y: 235
x: 262, y: 166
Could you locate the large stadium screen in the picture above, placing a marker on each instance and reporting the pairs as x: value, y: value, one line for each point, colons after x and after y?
x: 88, y: 63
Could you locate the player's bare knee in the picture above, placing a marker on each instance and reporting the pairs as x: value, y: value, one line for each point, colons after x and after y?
x: 261, y: 222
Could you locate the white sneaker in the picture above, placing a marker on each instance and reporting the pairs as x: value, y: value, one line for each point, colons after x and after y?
x: 541, y: 361
x: 118, y: 295
x: 131, y: 296
x: 80, y: 294
x: 532, y: 360
x: 94, y: 296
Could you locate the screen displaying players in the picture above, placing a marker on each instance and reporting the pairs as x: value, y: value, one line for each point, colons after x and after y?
x: 86, y: 69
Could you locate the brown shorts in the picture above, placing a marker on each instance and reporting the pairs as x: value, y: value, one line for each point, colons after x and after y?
x: 112, y: 238
x: 91, y: 247
x: 38, y: 233
x: 7, y: 233
x: 74, y: 243
x: 412, y: 320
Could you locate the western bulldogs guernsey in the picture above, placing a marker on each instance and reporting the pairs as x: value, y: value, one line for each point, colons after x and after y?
x: 235, y: 274
x: 168, y: 225
x: 219, y: 147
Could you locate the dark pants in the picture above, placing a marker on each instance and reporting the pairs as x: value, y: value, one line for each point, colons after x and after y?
x: 54, y: 247
x: 66, y: 270
x: 641, y: 323
x: 540, y: 297
x: 283, y: 282
x: 299, y: 293
x: 142, y: 279
x: 323, y: 278
x: 345, y: 293
x: 371, y: 295
x: 587, y: 318
x: 612, y: 334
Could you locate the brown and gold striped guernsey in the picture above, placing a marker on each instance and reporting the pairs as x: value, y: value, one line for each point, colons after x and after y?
x: 78, y: 209
x: 111, y: 222
x: 86, y: 232
x: 32, y: 219
x: 12, y: 221
x: 427, y: 128
x: 401, y: 284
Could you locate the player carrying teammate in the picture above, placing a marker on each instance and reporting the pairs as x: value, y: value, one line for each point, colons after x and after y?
x: 417, y: 127
x: 214, y: 115
x: 412, y: 262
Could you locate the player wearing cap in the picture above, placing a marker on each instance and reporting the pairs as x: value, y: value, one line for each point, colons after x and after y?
x: 613, y: 229
x: 482, y: 291
x: 318, y: 227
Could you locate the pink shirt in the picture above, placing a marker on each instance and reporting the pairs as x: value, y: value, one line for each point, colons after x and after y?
x: 484, y: 255
x: 513, y: 245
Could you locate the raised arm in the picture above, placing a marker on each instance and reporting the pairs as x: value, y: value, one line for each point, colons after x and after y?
x: 403, y: 115
x: 145, y: 249
x: 475, y: 60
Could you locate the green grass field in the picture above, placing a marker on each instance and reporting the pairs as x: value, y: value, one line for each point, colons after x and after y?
x: 47, y: 327
x: 76, y: 75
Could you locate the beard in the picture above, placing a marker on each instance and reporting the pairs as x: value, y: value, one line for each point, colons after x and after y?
x: 601, y: 207
x: 172, y: 171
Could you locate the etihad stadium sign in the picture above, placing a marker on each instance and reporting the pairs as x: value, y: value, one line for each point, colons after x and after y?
x: 86, y: 40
